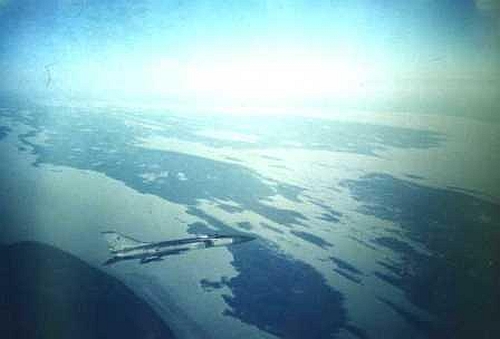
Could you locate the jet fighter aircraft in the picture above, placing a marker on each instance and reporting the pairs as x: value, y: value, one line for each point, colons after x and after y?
x: 123, y: 247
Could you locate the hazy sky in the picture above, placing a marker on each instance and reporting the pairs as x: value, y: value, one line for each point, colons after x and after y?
x: 421, y: 55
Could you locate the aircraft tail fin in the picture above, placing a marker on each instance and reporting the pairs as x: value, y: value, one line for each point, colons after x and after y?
x: 118, y: 242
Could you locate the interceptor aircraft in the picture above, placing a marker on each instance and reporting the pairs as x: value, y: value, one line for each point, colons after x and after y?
x: 124, y: 247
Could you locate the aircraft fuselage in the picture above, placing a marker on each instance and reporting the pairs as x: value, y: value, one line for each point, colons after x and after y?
x: 122, y: 247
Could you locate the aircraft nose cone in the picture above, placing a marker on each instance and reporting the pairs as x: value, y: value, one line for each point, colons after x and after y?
x: 239, y: 239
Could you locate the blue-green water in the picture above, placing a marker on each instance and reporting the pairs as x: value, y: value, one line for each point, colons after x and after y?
x: 433, y: 273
